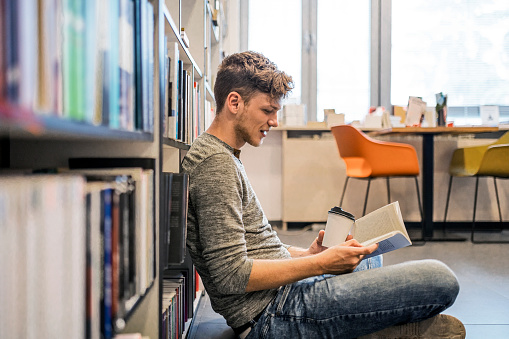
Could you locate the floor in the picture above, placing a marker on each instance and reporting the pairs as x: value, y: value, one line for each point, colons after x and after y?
x: 482, y: 269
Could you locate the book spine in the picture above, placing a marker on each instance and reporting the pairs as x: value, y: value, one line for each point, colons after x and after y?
x: 113, y: 65
x: 73, y: 59
x: 150, y: 75
x: 107, y: 328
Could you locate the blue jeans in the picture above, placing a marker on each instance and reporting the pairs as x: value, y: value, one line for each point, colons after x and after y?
x: 365, y: 301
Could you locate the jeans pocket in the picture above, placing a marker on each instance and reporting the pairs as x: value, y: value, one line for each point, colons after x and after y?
x: 280, y: 302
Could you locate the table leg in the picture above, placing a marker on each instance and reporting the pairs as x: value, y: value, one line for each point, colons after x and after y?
x: 428, y: 181
x: 428, y: 167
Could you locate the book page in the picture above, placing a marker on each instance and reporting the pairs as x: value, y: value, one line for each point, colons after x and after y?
x: 379, y: 223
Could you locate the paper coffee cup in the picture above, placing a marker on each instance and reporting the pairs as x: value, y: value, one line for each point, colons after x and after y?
x: 339, y: 224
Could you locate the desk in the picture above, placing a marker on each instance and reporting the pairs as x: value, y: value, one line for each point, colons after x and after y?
x: 428, y: 166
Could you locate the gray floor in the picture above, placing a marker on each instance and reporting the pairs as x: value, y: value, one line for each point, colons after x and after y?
x: 482, y: 269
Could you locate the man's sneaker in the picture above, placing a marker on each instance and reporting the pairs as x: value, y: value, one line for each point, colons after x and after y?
x: 440, y: 326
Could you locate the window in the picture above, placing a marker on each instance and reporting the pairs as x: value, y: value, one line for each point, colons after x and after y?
x: 278, y: 36
x: 380, y: 52
x: 460, y: 48
x: 343, y: 58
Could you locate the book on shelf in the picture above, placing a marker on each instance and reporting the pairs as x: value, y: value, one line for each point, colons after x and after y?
x: 173, y: 303
x: 197, y: 112
x: 384, y: 226
x: 49, y: 72
x: 176, y: 211
x: 187, y: 269
x: 144, y: 22
x: 113, y: 67
x: 150, y: 46
x: 166, y: 84
x: 43, y: 249
x: 73, y: 61
x: 173, y: 56
x: 142, y: 174
x: 180, y: 101
x: 126, y: 64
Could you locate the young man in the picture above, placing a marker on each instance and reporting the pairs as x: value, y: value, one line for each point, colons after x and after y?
x: 264, y: 288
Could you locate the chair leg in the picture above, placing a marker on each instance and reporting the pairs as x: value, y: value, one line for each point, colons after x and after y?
x: 366, y: 199
x: 499, y: 215
x: 388, y: 191
x: 475, y: 205
x: 420, y: 207
x: 498, y: 203
x: 344, y: 190
x: 419, y: 197
x: 447, y: 202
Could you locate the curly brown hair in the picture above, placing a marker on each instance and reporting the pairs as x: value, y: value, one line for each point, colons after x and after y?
x: 247, y: 73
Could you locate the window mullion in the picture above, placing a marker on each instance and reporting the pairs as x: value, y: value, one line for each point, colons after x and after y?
x: 309, y: 68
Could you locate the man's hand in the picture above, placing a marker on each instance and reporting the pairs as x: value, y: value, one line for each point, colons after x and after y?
x: 345, y: 257
x: 316, y: 247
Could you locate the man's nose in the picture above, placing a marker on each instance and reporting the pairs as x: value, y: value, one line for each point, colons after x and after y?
x: 273, y: 120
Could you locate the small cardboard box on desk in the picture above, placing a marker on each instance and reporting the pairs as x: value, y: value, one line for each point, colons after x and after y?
x: 333, y: 119
x: 294, y: 115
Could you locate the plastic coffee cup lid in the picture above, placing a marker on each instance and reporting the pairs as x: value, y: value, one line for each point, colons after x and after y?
x: 340, y: 211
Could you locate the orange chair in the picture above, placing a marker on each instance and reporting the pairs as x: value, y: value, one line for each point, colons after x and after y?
x: 367, y: 158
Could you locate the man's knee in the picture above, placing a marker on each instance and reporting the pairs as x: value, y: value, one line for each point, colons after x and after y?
x: 439, y: 277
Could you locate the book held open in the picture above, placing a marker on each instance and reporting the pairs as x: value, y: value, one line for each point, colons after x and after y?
x: 384, y: 226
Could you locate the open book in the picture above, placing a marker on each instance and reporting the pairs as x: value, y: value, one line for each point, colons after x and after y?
x: 384, y: 226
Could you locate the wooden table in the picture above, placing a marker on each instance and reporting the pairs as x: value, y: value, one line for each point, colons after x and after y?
x: 428, y: 137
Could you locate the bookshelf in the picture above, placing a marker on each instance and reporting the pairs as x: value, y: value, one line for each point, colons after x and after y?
x: 98, y: 90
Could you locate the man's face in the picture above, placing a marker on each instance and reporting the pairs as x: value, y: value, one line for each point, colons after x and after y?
x: 256, y: 118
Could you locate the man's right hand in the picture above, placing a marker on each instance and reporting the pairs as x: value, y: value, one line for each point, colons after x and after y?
x: 345, y: 257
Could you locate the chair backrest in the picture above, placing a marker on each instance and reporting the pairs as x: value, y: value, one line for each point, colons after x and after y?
x: 504, y: 139
x: 467, y: 161
x: 495, y: 161
x: 366, y: 157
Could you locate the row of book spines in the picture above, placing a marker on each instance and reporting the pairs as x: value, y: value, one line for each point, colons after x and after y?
x: 174, y: 315
x: 75, y: 59
x: 40, y: 210
x: 184, y: 115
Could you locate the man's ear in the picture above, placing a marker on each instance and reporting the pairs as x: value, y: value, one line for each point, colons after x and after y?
x: 234, y: 101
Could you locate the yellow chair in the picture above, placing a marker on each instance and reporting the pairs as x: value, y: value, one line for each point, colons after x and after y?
x: 490, y: 160
x: 367, y: 158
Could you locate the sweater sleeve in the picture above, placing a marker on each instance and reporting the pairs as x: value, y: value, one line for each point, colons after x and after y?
x: 216, y: 192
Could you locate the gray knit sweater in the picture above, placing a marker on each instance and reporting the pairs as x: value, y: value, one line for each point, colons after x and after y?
x: 227, y: 229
